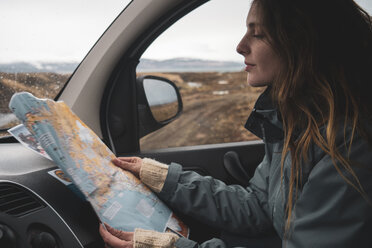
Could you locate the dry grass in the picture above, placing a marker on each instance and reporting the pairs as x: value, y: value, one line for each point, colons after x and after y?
x: 216, y: 105
x: 44, y: 85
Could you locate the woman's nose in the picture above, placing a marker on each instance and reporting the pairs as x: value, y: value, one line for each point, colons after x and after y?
x: 243, y: 48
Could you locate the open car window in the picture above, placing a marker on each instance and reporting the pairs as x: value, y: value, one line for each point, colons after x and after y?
x: 198, y: 54
x: 43, y: 42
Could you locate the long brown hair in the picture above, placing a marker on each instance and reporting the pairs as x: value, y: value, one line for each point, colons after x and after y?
x: 326, y: 48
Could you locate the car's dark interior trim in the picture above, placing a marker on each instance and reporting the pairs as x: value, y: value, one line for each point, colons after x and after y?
x: 8, y: 139
x: 118, y: 114
x: 44, y: 220
x: 17, y: 201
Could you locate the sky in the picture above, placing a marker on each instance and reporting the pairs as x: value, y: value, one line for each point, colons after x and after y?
x: 65, y: 30
x: 220, y: 26
x: 53, y: 30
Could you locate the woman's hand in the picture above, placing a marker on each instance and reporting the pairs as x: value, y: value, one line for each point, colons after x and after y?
x: 115, y: 238
x: 132, y: 164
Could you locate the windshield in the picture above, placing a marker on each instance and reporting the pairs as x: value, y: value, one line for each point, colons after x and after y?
x: 43, y: 42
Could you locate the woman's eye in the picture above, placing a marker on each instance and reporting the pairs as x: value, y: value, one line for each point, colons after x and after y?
x: 258, y: 36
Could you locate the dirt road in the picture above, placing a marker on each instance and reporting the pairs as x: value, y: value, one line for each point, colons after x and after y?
x: 207, y: 119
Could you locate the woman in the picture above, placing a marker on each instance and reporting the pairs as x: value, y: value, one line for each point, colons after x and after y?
x: 314, y: 184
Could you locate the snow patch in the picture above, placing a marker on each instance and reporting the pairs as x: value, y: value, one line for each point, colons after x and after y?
x: 221, y: 92
x: 194, y: 84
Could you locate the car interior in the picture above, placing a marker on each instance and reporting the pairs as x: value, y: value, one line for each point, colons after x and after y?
x: 110, y: 94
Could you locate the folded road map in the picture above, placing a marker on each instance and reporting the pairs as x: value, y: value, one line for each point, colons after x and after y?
x: 118, y: 197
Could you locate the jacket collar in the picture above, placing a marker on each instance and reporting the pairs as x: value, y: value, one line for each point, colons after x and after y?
x: 264, y: 121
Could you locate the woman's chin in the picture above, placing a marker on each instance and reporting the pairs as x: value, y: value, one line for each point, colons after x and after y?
x: 257, y: 84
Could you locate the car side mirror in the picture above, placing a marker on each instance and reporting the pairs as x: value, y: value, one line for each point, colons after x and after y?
x: 159, y: 103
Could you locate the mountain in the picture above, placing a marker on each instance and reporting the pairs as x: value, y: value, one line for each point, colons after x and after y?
x: 22, y: 67
x: 149, y: 65
x: 188, y: 64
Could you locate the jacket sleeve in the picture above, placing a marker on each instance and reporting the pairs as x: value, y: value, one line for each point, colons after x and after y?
x: 329, y: 212
x: 187, y: 243
x: 150, y: 239
x: 231, y: 208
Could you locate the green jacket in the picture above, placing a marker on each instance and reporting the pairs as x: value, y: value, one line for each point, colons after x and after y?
x: 328, y: 211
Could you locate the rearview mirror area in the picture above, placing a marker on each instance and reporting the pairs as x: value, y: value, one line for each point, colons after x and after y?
x: 162, y: 99
x: 159, y: 103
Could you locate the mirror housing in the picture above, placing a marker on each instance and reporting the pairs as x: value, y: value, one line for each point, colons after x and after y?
x: 158, y: 103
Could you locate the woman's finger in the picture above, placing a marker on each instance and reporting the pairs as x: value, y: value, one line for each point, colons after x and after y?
x: 132, y: 164
x: 113, y: 241
x: 129, y: 159
x: 122, y: 164
x: 127, y: 236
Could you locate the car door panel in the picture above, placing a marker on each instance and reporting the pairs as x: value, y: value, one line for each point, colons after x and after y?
x: 209, y: 159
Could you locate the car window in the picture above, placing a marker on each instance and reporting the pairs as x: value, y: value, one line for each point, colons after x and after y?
x: 198, y: 53
x: 366, y: 5
x: 43, y: 42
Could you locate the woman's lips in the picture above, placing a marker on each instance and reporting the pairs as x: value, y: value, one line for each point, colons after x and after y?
x: 249, y: 67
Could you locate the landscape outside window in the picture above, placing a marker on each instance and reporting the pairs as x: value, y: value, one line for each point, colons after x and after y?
x: 209, y: 74
x: 215, y: 108
x: 43, y: 42
x: 198, y: 54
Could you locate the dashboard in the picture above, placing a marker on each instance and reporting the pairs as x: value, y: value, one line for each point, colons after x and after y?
x: 36, y: 209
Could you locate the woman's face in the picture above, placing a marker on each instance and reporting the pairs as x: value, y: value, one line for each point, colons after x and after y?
x: 262, y: 62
